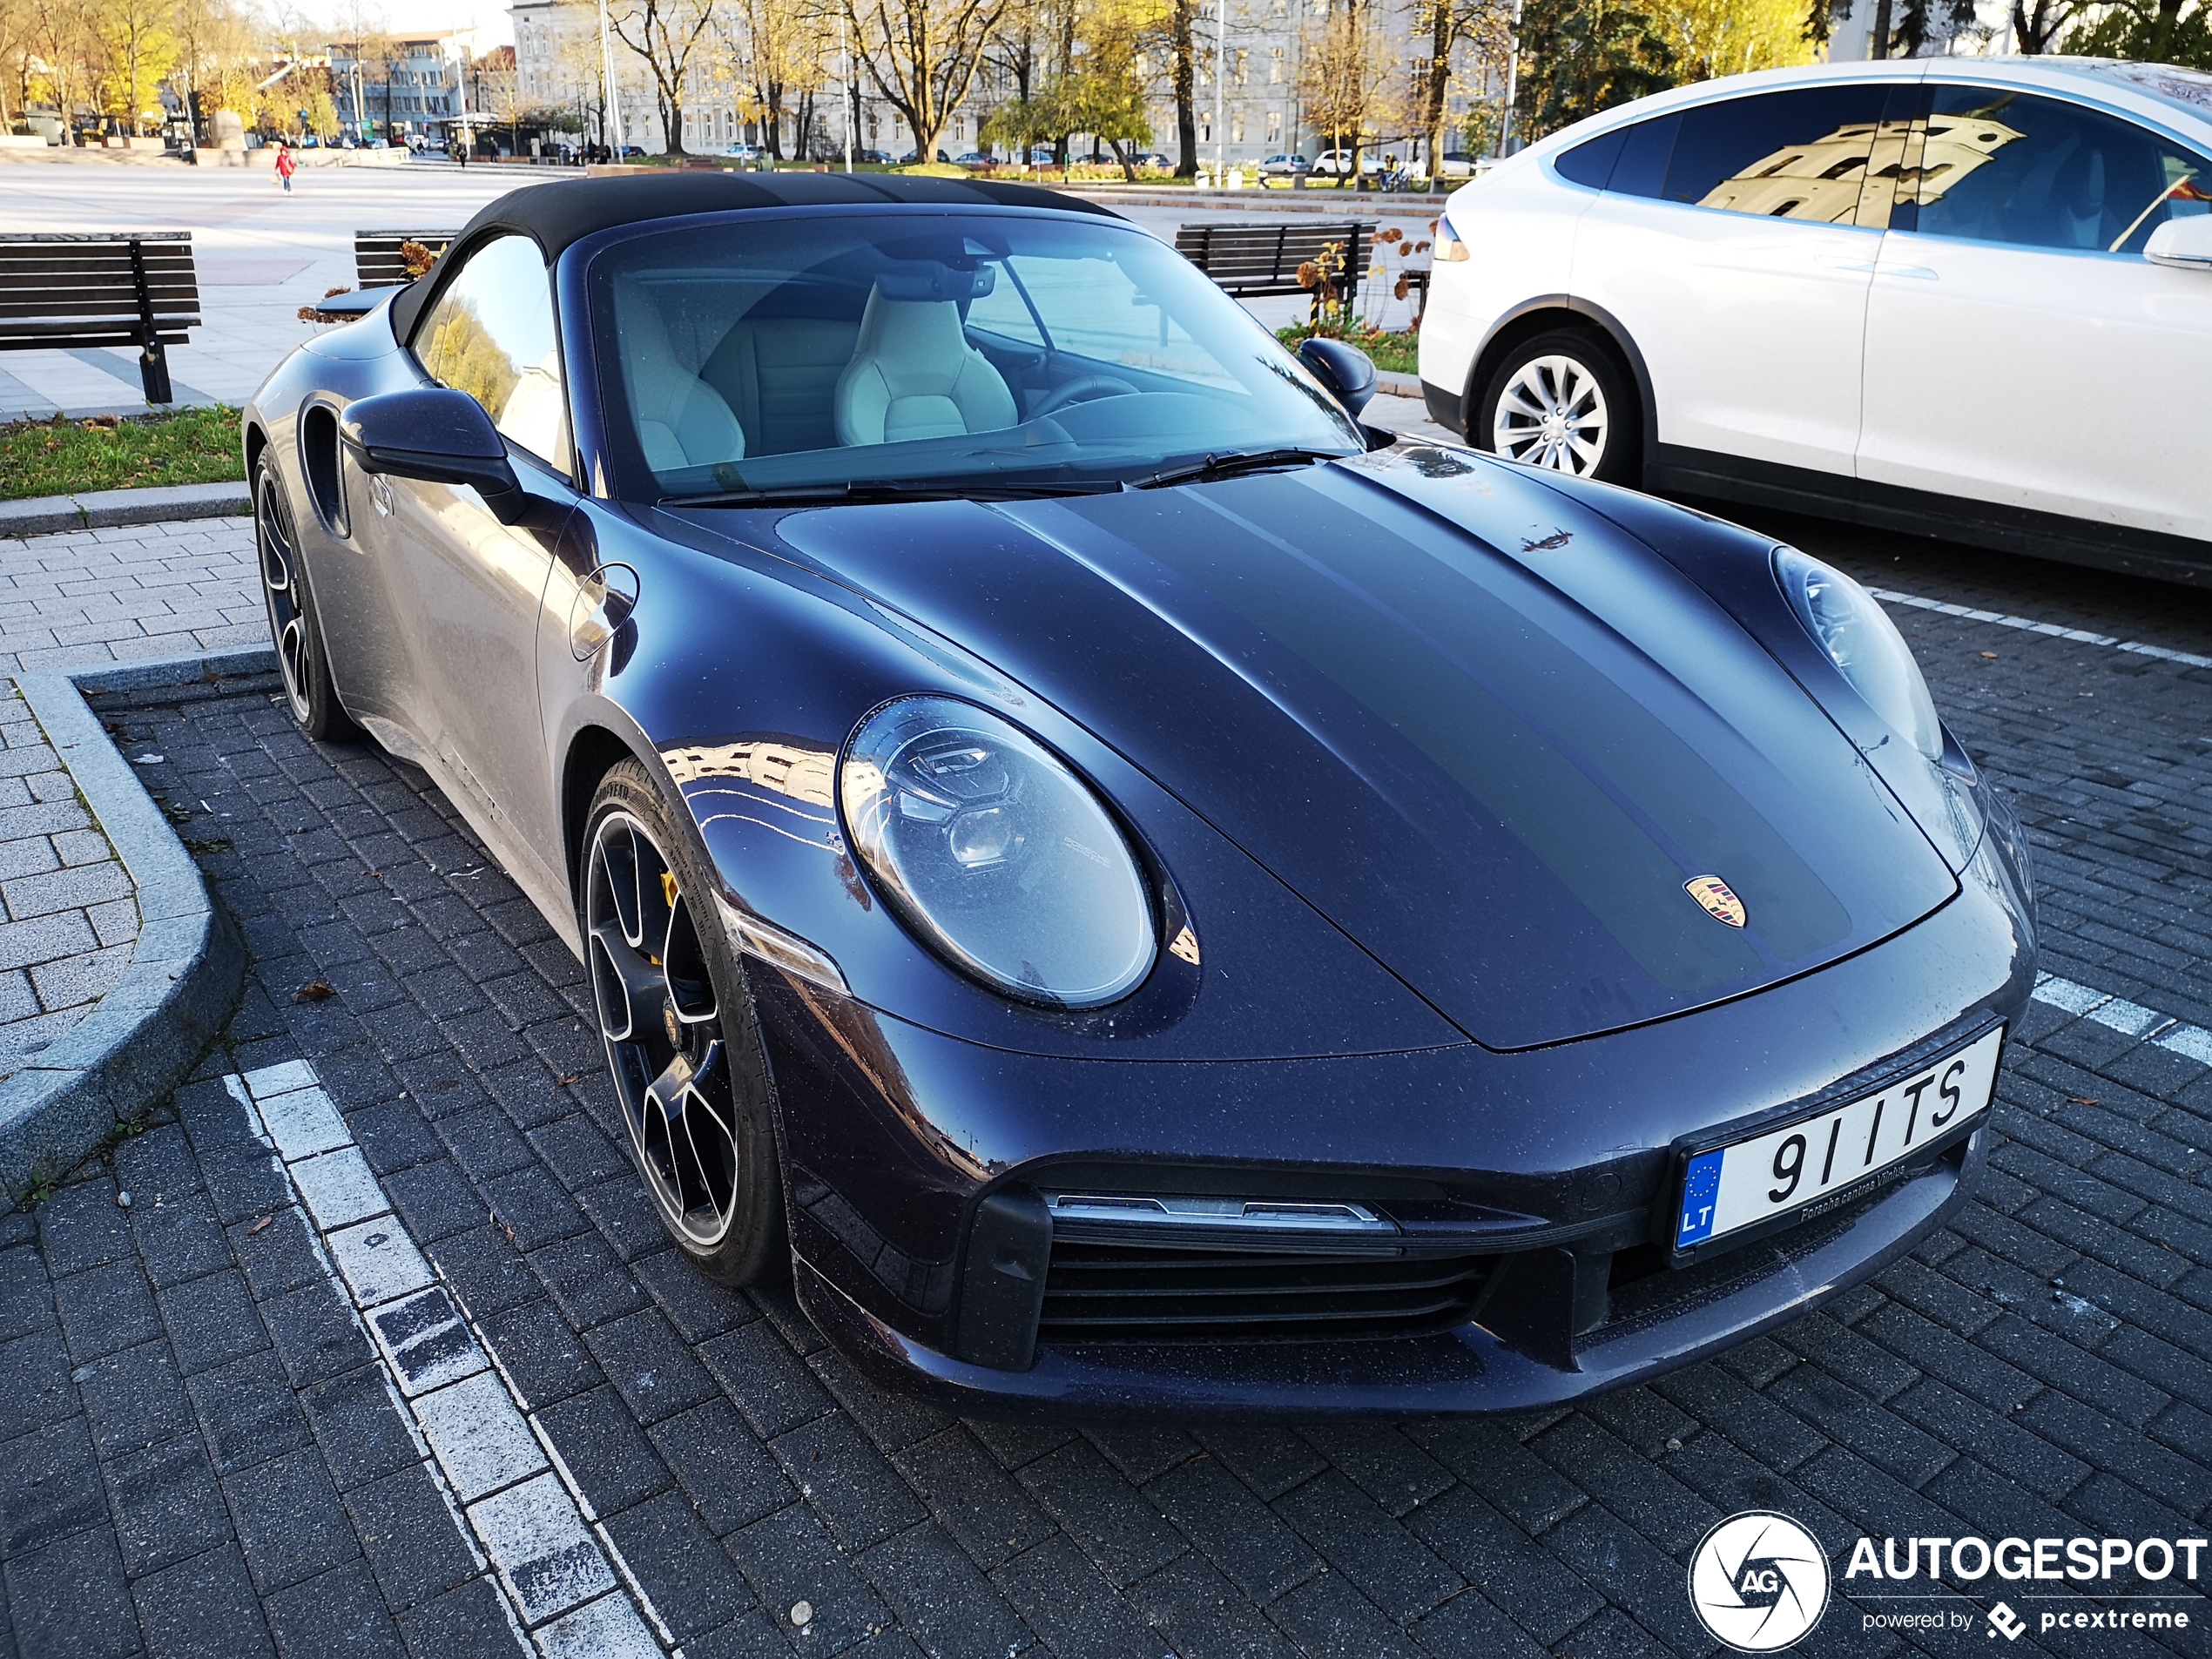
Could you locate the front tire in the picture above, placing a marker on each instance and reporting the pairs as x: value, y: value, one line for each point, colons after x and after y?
x: 294, y: 629
x: 677, y: 1024
x: 1560, y: 400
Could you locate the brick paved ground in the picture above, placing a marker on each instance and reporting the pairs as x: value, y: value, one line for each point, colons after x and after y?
x: 205, y: 1459
x: 71, y: 913
x: 131, y: 594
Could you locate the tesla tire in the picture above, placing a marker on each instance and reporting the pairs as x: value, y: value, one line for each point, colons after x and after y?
x: 678, y: 1028
x: 1559, y: 400
x: 294, y: 629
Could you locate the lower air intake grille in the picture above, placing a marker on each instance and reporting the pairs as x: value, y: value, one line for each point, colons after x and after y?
x: 1135, y: 1293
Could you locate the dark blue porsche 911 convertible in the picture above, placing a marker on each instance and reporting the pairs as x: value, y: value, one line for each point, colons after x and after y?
x: 1140, y: 892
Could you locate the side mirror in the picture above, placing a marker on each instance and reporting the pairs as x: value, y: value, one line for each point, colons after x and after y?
x: 2184, y: 243
x: 1348, y: 372
x: 437, y: 434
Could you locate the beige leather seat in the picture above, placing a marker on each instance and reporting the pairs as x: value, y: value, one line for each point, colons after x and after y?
x: 778, y: 375
x: 682, y: 421
x: 912, y: 374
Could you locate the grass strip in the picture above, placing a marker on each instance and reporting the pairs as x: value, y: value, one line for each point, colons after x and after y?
x: 66, y: 457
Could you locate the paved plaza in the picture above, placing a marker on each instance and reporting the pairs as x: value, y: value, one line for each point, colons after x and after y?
x: 230, y: 1441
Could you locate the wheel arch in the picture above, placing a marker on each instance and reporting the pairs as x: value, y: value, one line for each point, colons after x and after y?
x: 1533, y: 317
x: 593, y: 751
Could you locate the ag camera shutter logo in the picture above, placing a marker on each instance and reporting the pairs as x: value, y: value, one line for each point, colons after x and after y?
x: 1758, y: 1581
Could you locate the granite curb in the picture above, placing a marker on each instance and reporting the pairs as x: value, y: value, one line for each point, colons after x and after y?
x: 187, y: 967
x: 109, y: 509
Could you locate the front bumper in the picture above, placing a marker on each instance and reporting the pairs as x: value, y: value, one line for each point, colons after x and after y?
x: 1680, y: 1319
x: 911, y: 1158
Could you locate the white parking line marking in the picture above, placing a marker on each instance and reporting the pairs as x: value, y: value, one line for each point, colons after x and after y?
x: 558, y: 1569
x: 551, y: 1562
x: 482, y: 1442
x: 2190, y: 1042
x: 302, y: 1122
x: 340, y: 1188
x: 607, y: 1629
x: 2030, y: 625
x: 379, y: 1260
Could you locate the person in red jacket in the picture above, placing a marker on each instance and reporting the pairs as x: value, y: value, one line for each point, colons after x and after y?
x: 285, y: 166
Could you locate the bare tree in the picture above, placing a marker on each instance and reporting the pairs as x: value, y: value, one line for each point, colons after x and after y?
x: 1181, y: 50
x: 923, y: 56
x: 665, y: 33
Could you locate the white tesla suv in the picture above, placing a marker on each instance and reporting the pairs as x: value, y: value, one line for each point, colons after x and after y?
x: 1971, y: 297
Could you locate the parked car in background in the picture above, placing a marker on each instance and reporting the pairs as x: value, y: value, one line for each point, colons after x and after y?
x: 1290, y: 166
x: 1337, y: 163
x: 1893, y: 292
x: 744, y: 152
x: 876, y: 158
x: 908, y: 159
x: 1456, y: 164
x: 976, y: 161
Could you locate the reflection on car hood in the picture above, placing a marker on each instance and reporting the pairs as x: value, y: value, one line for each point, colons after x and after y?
x: 1492, y: 736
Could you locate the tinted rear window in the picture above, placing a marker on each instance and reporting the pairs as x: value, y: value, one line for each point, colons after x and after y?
x: 1641, y: 168
x: 1590, y: 164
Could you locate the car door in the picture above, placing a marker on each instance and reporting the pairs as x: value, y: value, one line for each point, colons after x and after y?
x: 475, y: 584
x: 2020, y: 350
x: 1727, y: 244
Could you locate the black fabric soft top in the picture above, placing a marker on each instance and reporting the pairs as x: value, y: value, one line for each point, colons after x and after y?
x: 559, y: 212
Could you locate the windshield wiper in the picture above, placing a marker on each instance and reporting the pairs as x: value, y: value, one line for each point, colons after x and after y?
x: 856, y: 492
x: 1227, y: 465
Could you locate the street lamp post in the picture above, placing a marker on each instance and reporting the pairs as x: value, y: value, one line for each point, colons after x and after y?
x: 845, y: 55
x: 613, y: 136
x: 1512, y: 77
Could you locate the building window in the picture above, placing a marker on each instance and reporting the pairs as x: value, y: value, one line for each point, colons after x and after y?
x: 1274, y: 126
x: 1244, y: 67
x: 1237, y: 129
x: 1275, y: 67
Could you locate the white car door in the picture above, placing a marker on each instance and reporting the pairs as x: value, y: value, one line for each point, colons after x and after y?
x: 2020, y: 350
x: 1727, y: 246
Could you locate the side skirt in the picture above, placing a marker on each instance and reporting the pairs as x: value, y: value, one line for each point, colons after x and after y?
x: 1677, y: 470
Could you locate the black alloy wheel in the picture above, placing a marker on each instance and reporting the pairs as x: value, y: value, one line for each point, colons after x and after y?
x: 679, y: 1035
x: 293, y: 628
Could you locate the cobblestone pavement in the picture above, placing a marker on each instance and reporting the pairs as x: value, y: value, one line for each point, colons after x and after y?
x: 209, y: 1450
x: 71, y: 912
x: 136, y: 592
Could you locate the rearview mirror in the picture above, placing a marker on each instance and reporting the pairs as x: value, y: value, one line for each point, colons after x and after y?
x: 438, y: 435
x: 1348, y: 372
x: 2186, y: 243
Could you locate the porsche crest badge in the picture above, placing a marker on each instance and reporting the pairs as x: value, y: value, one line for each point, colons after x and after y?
x: 1720, y: 901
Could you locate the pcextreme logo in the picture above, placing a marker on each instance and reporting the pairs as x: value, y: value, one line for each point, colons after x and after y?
x: 1758, y: 1581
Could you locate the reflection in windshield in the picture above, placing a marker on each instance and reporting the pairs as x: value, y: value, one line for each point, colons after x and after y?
x: 918, y: 351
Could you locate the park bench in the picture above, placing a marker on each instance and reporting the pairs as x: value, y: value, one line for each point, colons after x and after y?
x: 377, y: 260
x: 1252, y: 260
x: 60, y: 290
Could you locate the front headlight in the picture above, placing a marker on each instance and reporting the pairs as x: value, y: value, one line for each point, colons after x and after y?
x: 1864, y: 644
x: 998, y: 855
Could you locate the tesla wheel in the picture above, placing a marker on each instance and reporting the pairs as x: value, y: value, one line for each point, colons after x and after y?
x: 679, y: 1034
x: 293, y: 628
x: 1560, y: 400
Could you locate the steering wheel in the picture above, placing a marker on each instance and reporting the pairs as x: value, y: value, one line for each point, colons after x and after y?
x: 1080, y: 391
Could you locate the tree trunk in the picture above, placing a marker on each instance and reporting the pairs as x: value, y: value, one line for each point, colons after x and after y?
x: 1186, y: 123
x: 1442, y: 33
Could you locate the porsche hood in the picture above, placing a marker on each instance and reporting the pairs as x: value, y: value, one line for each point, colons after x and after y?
x: 1493, y: 738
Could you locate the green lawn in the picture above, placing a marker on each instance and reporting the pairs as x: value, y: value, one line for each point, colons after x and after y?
x: 62, y: 457
x: 1394, y: 353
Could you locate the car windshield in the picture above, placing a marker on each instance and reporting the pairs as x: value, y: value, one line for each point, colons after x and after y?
x: 932, y: 352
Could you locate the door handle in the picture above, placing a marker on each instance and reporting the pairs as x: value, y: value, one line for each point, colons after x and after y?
x: 1927, y: 273
x: 1843, y: 262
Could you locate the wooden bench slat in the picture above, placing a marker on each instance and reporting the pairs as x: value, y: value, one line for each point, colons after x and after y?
x: 64, y: 289
x: 12, y: 338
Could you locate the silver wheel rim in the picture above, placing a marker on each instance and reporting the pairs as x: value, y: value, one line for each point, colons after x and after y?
x: 663, y: 1028
x: 1552, y: 413
x: 281, y: 594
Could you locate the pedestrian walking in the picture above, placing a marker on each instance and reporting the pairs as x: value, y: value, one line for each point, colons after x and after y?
x: 285, y: 166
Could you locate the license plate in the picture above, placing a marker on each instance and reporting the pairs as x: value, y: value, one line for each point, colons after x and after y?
x: 1788, y: 1170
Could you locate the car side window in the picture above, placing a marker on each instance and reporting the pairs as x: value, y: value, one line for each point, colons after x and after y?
x: 490, y: 334
x: 1799, y: 154
x: 2029, y: 172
